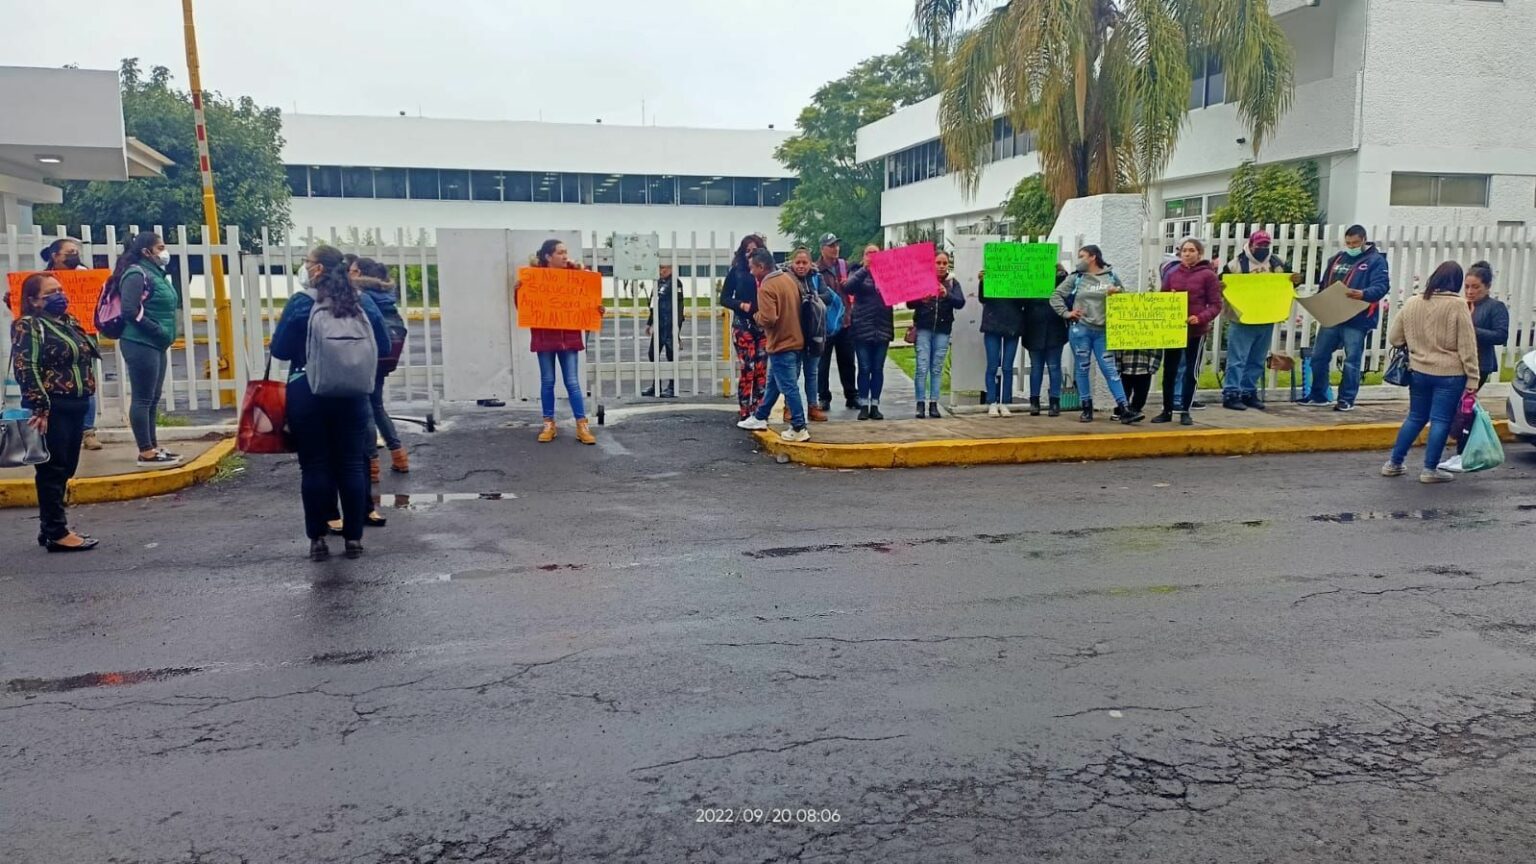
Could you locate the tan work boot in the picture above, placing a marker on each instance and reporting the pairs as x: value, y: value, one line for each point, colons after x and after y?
x: 584, y: 432
x: 91, y: 442
x: 548, y: 433
x: 399, y: 462
x: 373, y: 469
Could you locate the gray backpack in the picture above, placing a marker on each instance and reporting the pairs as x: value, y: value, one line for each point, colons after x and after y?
x: 342, y: 355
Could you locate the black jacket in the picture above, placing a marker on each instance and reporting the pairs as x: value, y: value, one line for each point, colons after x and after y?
x: 1490, y: 319
x: 1044, y: 330
x: 938, y: 314
x: 740, y: 287
x: 1000, y: 316
x: 870, y: 320
x: 665, y: 290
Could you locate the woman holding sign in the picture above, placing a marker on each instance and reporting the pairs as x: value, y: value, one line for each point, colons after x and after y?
x: 873, y: 328
x: 934, y: 320
x: 1196, y: 278
x: 562, y: 347
x: 1082, y: 299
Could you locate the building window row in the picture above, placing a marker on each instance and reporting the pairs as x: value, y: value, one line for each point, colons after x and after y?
x: 1208, y: 80
x: 928, y: 160
x: 1439, y: 190
x: 433, y: 184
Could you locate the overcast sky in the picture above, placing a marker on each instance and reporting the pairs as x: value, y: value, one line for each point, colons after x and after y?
x: 722, y: 63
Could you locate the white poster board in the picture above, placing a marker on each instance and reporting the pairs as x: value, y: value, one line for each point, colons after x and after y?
x: 636, y: 257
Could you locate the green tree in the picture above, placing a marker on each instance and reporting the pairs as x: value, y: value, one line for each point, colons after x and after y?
x: 245, y: 144
x: 835, y: 193
x: 1271, y: 195
x: 1103, y: 84
x: 1029, y: 210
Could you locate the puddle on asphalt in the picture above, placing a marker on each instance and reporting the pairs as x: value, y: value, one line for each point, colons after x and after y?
x: 1131, y: 532
x: 1386, y: 516
x: 424, y: 500
x: 95, y: 679
x: 348, y: 658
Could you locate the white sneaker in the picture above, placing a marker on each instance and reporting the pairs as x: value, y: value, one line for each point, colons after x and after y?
x: 796, y: 435
x: 993, y: 410
x: 1436, y: 476
x: 1392, y: 469
x: 752, y: 424
x: 1003, y: 410
x: 1453, y: 465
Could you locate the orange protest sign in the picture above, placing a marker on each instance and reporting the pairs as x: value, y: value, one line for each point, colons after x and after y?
x: 549, y: 299
x: 82, y: 287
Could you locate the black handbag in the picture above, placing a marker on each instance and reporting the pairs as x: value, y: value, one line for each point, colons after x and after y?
x: 1398, y: 372
x: 21, y: 445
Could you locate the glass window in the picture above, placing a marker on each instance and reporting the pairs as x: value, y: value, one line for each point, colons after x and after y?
x: 1197, y: 80
x: 424, y: 184
x: 747, y: 191
x: 388, y: 182
x: 455, y: 185
x: 1463, y: 190
x: 1215, y: 80
x: 1413, y: 190
x: 691, y: 190
x: 1216, y: 202
x: 546, y: 187
x: 484, y: 185
x: 570, y: 189
x: 775, y: 193
x: 605, y: 189
x: 357, y: 182
x: 632, y: 189
x: 663, y: 189
x: 517, y: 186
x: 298, y: 180
x: 324, y: 181
x: 717, y: 192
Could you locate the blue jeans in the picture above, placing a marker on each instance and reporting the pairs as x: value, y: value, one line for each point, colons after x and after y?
x: 90, y: 415
x: 871, y: 366
x: 1090, y: 344
x: 932, y: 348
x: 1247, y: 347
x: 1001, y: 352
x: 810, y: 368
x: 784, y: 379
x: 570, y: 369
x: 1432, y: 399
x: 1039, y: 363
x: 382, y: 424
x: 1329, y: 340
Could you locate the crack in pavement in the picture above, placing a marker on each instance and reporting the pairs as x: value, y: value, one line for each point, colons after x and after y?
x: 1126, y: 708
x: 1427, y: 589
x: 790, y: 746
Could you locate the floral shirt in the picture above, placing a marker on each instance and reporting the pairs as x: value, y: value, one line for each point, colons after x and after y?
x: 52, y: 357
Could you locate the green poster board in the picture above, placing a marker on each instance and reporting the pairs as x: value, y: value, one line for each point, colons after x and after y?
x: 1147, y: 321
x: 1023, y: 270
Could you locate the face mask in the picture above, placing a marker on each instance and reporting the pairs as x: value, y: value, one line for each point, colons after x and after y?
x: 1082, y: 266
x: 1261, y: 253
x: 164, y: 258
x: 304, y: 277
x: 71, y: 262
x: 1355, y: 252
x: 56, y: 304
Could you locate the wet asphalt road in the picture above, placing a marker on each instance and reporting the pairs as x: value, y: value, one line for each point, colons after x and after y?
x: 1249, y: 660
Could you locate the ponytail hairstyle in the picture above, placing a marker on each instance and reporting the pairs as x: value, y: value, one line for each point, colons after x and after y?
x: 1097, y: 255
x: 133, y: 252
x: 1484, y: 273
x: 1446, y: 279
x: 52, y: 249
x: 332, y: 285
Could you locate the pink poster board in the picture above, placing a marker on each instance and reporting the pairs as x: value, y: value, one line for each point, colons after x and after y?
x: 904, y: 274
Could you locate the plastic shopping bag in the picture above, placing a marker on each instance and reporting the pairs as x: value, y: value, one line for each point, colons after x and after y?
x: 1483, y: 448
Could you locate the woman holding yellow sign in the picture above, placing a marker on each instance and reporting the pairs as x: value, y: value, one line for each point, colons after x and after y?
x: 1195, y: 277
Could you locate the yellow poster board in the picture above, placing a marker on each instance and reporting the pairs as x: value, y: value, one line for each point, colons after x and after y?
x: 1143, y: 321
x: 1259, y: 298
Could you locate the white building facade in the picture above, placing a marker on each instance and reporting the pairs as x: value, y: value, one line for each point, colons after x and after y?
x: 424, y: 174
x: 1414, y: 112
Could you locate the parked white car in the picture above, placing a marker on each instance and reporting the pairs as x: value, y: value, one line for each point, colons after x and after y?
x: 1522, y: 399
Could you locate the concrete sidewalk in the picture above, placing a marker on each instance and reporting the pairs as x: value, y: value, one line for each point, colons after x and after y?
x: 976, y: 439
x: 112, y: 473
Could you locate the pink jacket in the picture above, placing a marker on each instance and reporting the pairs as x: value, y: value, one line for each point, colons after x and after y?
x: 1203, y: 288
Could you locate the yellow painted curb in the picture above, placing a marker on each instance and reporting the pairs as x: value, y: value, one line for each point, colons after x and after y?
x: 1078, y: 448
x: 124, y: 487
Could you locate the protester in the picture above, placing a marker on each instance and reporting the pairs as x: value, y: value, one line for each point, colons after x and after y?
x: 1490, y: 318
x: 64, y: 254
x: 1136, y: 370
x: 1082, y: 298
x: 934, y: 320
x: 1002, y: 323
x: 1363, y: 270
x: 54, y: 362
x: 666, y: 291
x: 809, y: 281
x: 834, y: 274
x: 778, y: 314
x: 1248, y: 344
x: 330, y: 430
x: 872, y: 328
x: 372, y: 278
x: 1195, y: 277
x: 562, y: 347
x: 150, y: 303
x: 1436, y: 326
x: 1044, y: 337
x: 740, y: 296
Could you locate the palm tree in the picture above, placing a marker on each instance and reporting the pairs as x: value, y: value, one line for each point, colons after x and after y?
x: 1103, y: 85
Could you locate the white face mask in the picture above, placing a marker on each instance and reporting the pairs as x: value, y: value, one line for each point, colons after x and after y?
x: 304, y: 276
x: 164, y: 258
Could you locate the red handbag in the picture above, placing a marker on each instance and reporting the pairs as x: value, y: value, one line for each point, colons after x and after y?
x: 263, y: 416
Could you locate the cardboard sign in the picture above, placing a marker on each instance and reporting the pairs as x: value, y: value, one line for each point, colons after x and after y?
x: 905, y: 274
x: 636, y: 256
x: 1024, y: 270
x: 82, y: 287
x: 549, y: 299
x: 1259, y: 298
x: 1332, y: 306
x: 1143, y: 321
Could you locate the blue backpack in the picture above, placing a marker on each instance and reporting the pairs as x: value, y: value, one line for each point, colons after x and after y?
x: 836, y: 311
